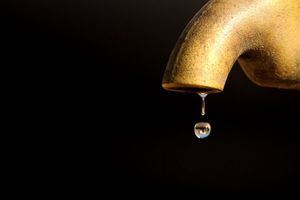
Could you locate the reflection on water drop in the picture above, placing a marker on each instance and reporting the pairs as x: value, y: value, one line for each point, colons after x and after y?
x: 202, y: 129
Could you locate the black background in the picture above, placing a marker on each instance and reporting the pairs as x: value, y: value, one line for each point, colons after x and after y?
x: 91, y: 72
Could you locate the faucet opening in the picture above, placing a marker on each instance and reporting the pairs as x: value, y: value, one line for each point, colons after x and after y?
x: 187, y: 88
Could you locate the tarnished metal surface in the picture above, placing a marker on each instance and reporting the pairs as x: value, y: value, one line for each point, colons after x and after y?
x: 263, y: 35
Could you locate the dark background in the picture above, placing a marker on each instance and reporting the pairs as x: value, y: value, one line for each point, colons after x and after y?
x: 91, y: 72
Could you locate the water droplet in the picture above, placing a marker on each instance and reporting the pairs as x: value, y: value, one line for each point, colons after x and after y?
x: 203, y: 95
x: 202, y: 129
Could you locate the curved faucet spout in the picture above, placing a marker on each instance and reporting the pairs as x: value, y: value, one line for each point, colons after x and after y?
x: 263, y: 35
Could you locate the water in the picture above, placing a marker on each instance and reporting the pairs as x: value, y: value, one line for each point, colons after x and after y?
x: 203, y: 95
x: 202, y: 129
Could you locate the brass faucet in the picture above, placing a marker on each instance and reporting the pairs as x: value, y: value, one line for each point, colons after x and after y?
x: 263, y: 35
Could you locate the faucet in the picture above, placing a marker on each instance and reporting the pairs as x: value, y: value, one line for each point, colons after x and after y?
x: 262, y: 35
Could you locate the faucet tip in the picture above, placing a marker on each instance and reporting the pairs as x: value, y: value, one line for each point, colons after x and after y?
x: 189, y: 88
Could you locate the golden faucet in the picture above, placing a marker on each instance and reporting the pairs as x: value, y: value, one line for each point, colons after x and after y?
x: 263, y: 35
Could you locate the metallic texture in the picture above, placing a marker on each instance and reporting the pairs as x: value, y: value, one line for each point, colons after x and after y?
x: 263, y: 35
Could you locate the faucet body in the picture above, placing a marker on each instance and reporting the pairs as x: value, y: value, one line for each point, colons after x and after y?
x: 262, y: 35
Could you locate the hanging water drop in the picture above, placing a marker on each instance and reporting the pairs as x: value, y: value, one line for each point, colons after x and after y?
x: 202, y: 129
x: 203, y: 95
